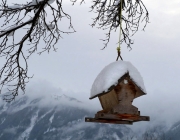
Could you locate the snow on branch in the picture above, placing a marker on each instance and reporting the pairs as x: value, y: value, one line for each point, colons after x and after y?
x: 108, y: 17
x: 32, y: 18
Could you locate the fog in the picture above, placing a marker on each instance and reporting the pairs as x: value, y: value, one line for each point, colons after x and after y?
x: 79, y: 59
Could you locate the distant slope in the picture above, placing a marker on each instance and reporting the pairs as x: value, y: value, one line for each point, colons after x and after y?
x: 174, y: 132
x: 57, y: 117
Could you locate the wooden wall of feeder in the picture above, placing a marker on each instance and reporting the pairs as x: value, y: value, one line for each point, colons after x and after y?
x: 117, y: 85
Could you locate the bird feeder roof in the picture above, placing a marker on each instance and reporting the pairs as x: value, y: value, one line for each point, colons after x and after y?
x: 110, y: 76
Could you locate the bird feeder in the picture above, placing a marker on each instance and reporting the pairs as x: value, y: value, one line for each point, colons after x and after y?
x: 117, y: 85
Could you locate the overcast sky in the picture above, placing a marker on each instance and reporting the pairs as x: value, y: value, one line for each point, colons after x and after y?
x: 155, y: 53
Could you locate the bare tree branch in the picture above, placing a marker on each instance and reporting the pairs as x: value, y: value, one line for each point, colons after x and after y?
x: 32, y: 17
x: 108, y: 17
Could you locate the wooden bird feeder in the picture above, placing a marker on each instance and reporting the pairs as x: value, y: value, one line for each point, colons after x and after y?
x: 117, y: 100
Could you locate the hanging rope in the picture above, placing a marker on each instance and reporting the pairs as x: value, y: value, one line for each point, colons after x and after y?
x: 120, y: 25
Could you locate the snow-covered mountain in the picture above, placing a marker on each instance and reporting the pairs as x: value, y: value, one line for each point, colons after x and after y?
x: 56, y: 117
x: 174, y: 132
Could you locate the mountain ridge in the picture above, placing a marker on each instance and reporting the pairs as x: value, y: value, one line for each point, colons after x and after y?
x: 57, y: 117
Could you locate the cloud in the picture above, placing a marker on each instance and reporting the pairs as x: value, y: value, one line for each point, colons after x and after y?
x: 78, y: 126
x: 161, y: 106
x: 10, y: 130
x: 51, y: 96
x: 72, y: 70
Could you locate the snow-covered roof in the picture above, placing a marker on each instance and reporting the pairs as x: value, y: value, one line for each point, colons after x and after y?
x: 110, y: 75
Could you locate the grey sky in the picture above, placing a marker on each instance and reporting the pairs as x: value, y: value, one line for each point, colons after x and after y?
x: 155, y: 54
